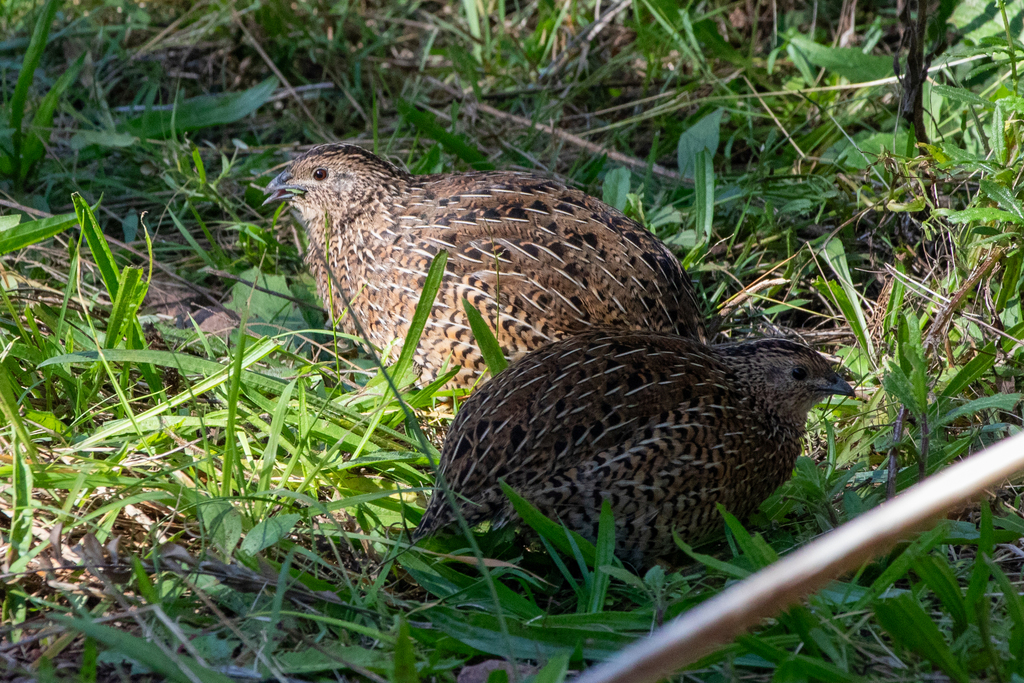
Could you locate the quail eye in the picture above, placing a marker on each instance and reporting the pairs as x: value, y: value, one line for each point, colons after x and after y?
x: 799, y: 374
x: 320, y: 174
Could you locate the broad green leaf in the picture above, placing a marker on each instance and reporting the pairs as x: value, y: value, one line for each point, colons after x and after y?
x: 935, y: 571
x: 846, y: 296
x: 962, y: 95
x: 101, y: 253
x: 994, y: 402
x: 982, y: 214
x: 849, y: 62
x: 702, y: 135
x: 754, y: 547
x: 554, y: 671
x: 268, y: 532
x: 222, y: 523
x: 126, y: 305
x: 15, y: 235
x: 489, y: 347
x: 910, y: 626
x: 1004, y: 197
x: 616, y: 187
x: 180, y: 668
x: 997, y: 135
x: 200, y: 112
x: 971, y: 371
x: 711, y: 562
x: 103, y: 138
x: 39, y: 132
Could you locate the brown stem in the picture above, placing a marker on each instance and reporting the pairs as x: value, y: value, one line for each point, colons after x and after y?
x: 897, y: 434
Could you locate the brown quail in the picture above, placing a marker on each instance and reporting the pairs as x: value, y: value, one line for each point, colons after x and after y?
x: 661, y: 426
x: 539, y: 260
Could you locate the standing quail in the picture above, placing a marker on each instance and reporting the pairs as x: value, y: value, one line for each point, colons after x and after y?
x: 539, y: 260
x: 661, y: 426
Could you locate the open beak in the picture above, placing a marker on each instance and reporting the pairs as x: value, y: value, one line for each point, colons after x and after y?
x: 278, y: 189
x: 839, y: 387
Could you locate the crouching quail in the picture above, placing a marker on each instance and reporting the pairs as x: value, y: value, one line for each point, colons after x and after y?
x: 539, y: 260
x: 661, y: 426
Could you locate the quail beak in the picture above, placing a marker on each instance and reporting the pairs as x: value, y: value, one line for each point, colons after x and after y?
x: 278, y: 189
x: 839, y: 387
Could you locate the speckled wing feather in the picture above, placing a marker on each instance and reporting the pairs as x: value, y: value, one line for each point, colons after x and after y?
x: 559, y: 261
x: 539, y: 260
x: 654, y: 423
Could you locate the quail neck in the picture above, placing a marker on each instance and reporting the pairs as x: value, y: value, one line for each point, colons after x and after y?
x: 538, y: 260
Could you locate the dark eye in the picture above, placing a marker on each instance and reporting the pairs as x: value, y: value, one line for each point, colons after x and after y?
x: 320, y: 174
x: 799, y: 374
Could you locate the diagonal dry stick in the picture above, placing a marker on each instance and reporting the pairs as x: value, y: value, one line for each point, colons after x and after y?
x: 562, y: 135
x: 280, y: 76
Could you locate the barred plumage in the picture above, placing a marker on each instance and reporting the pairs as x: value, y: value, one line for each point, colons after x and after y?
x: 539, y: 260
x: 661, y: 426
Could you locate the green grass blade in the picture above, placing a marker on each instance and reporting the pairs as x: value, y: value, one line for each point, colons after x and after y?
x: 125, y: 306
x: 704, y: 193
x: 101, y: 253
x: 33, y: 55
x: 39, y: 131
x: 936, y: 573
x: 910, y: 626
x: 179, y: 668
x: 489, y: 346
x: 456, y: 144
x: 845, y: 294
x: 420, y: 316
x: 404, y: 669
x: 15, y: 235
x: 234, y: 388
x: 605, y: 550
x: 551, y: 531
x: 901, y: 565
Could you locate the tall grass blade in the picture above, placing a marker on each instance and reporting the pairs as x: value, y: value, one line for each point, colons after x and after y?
x: 101, y: 253
x: 34, y: 147
x: 605, y: 550
x: 489, y: 347
x: 33, y: 55
x: 551, y: 531
x: 424, y: 307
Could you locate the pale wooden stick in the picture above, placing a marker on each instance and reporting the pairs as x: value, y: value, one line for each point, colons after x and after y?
x: 769, y: 591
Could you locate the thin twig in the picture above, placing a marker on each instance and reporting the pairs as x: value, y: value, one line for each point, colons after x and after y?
x: 897, y: 435
x: 280, y: 76
x: 562, y: 135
